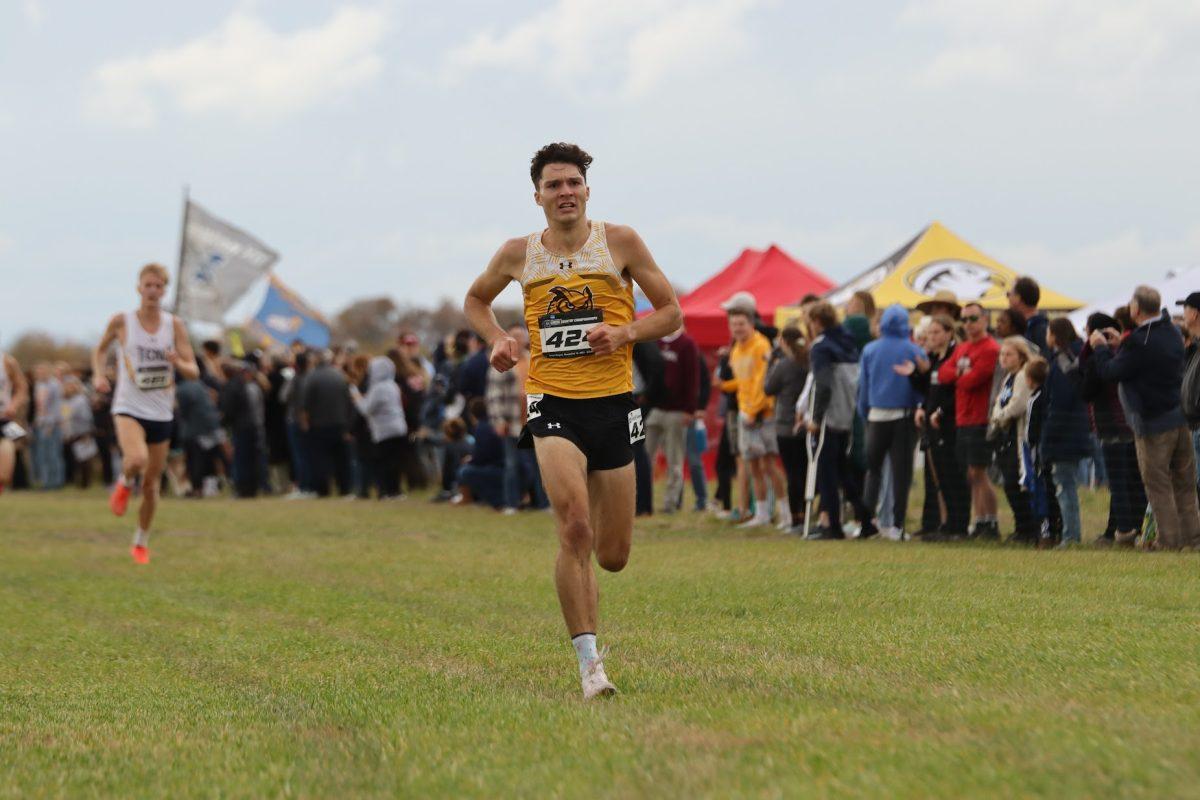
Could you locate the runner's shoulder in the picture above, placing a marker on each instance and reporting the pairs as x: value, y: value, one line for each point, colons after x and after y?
x: 511, y: 255
x: 621, y: 235
x: 116, y: 323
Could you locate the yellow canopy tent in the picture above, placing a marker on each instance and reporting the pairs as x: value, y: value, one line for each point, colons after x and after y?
x: 938, y: 260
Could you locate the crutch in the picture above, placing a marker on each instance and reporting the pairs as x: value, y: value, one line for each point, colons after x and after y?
x: 813, y: 450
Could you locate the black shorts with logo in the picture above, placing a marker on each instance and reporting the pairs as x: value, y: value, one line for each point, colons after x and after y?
x: 603, y: 428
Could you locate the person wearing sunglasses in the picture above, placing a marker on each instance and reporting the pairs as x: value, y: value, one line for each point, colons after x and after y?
x: 969, y: 369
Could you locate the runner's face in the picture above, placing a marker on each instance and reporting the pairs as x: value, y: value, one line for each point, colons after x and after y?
x: 562, y: 193
x: 151, y: 288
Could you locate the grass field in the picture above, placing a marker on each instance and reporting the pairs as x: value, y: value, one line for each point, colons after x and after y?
x: 333, y: 649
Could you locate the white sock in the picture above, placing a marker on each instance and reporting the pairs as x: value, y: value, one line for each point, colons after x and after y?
x: 141, y: 538
x: 585, y: 650
x: 762, y: 508
x: 785, y: 511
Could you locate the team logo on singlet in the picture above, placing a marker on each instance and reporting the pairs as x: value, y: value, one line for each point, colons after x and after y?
x: 563, y: 300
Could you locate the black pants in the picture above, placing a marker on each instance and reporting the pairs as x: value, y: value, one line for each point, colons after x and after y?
x: 389, y: 456
x: 835, y: 475
x: 726, y: 468
x: 201, y: 462
x: 896, y: 438
x: 951, y: 481
x: 1008, y: 459
x: 795, y: 466
x: 246, y: 455
x: 1127, y: 503
x: 931, y: 508
x: 644, y: 478
x: 329, y: 456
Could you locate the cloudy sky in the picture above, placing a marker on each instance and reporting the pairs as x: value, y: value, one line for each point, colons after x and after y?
x: 383, y: 147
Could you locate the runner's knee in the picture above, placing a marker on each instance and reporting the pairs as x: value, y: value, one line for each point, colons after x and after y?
x: 613, y: 562
x: 576, y: 535
x: 134, y: 462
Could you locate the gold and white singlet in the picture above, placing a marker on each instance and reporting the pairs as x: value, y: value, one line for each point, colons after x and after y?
x: 565, y: 297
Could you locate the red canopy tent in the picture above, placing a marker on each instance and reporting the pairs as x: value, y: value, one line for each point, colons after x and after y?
x: 772, y: 276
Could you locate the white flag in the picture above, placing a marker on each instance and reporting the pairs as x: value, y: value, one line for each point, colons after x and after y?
x: 219, y: 263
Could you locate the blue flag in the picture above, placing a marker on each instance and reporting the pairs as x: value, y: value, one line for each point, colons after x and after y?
x: 285, y: 317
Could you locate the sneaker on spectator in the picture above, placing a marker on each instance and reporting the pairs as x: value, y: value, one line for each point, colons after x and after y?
x: 825, y: 533
x: 508, y: 511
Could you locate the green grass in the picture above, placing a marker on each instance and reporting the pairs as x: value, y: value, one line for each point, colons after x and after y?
x: 331, y: 649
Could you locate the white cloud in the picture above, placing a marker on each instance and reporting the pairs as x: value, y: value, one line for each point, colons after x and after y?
x: 34, y: 12
x: 243, y: 68
x: 633, y: 46
x: 1101, y: 47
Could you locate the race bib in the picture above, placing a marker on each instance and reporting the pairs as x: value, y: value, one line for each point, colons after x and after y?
x: 533, y: 406
x: 637, y: 428
x: 565, y: 335
x: 153, y: 377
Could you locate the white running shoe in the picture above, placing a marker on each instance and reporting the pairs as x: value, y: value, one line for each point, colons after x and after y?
x: 595, y: 682
x: 755, y: 522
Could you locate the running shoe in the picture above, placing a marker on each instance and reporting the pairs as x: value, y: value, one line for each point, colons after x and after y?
x: 595, y: 682
x: 118, y: 501
x: 140, y: 553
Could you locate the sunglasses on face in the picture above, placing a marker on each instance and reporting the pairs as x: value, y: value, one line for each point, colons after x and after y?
x: 972, y: 318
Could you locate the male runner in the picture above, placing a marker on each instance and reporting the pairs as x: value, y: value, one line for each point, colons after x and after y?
x: 577, y: 276
x: 14, y: 395
x: 154, y: 346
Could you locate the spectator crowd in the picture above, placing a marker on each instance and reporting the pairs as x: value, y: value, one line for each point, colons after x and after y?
x: 819, y: 424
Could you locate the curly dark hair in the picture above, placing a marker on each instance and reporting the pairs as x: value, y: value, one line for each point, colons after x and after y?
x: 559, y: 153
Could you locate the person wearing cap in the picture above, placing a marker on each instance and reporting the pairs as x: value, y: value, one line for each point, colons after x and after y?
x: 1191, y: 371
x: 1147, y: 365
x: 748, y: 359
x: 942, y: 302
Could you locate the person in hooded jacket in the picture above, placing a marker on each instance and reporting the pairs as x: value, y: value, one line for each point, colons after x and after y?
x: 1065, y: 440
x: 1127, y: 495
x: 833, y: 364
x: 384, y: 413
x: 886, y: 400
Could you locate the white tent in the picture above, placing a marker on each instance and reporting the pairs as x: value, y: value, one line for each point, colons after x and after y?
x: 1175, y: 285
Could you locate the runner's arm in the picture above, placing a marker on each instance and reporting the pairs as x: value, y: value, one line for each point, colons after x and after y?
x: 478, y: 304
x: 111, y: 333
x: 185, y: 357
x: 20, y: 386
x: 488, y: 286
x: 667, y: 316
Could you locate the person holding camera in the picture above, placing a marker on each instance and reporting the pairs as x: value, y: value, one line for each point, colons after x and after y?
x: 1147, y: 366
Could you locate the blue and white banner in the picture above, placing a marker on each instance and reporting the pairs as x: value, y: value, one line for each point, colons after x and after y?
x: 218, y: 263
x: 285, y: 317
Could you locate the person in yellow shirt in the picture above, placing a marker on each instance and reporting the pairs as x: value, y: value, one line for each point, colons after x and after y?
x: 757, y: 445
x: 577, y: 276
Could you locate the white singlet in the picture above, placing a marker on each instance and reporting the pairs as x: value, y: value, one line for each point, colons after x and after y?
x: 145, y: 379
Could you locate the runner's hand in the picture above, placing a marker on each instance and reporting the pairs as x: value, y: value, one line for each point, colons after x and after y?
x: 605, y: 338
x: 101, y: 384
x: 505, y: 353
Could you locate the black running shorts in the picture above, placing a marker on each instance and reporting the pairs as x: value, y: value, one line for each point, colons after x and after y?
x: 603, y: 428
x: 156, y: 432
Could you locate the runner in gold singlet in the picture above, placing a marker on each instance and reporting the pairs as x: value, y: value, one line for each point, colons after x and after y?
x: 577, y: 277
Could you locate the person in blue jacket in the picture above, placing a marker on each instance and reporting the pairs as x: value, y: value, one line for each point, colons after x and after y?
x: 1065, y: 439
x: 887, y: 400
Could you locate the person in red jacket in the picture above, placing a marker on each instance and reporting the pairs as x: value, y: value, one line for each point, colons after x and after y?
x: 969, y: 369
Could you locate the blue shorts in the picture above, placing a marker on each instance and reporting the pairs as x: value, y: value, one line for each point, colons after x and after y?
x: 157, y: 431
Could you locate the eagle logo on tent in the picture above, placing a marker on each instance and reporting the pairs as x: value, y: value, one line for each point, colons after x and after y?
x: 965, y: 279
x: 563, y: 300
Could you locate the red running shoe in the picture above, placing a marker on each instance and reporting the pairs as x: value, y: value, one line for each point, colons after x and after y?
x: 118, y: 501
x: 140, y: 553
